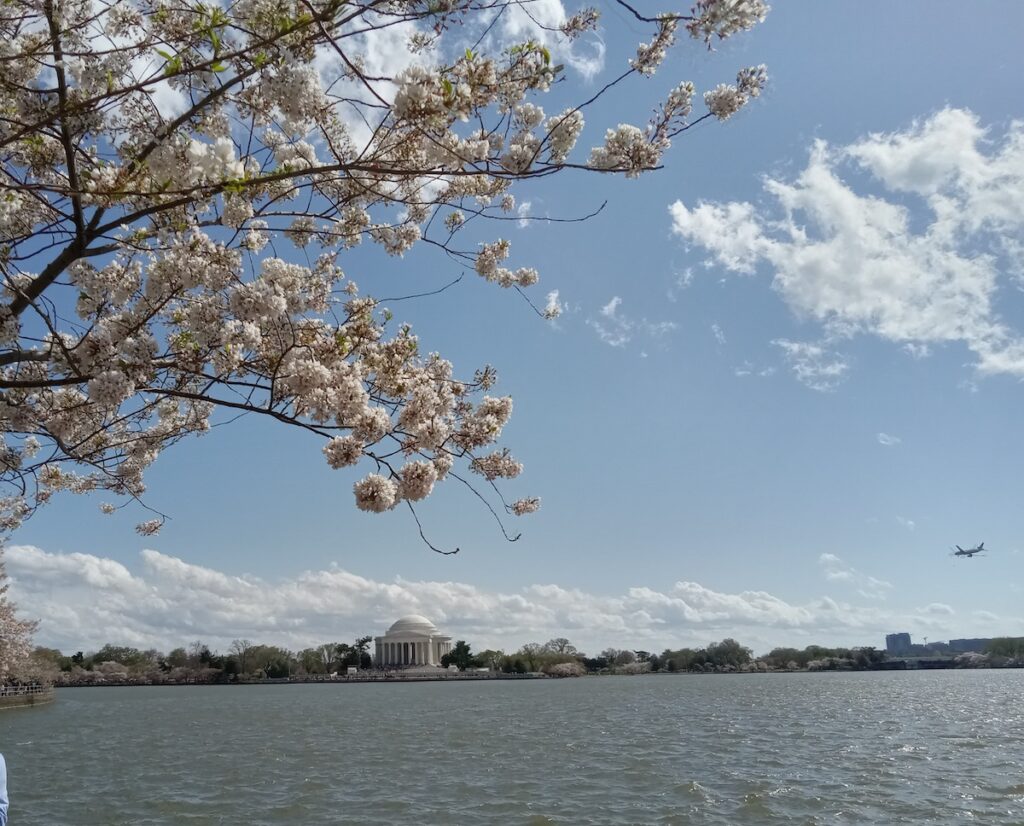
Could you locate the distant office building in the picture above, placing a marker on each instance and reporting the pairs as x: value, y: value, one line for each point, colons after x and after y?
x: 978, y: 644
x: 897, y: 643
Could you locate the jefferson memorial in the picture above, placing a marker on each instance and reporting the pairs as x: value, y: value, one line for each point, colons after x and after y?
x: 413, y: 640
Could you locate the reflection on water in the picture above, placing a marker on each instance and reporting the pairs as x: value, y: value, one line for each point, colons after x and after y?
x: 934, y: 747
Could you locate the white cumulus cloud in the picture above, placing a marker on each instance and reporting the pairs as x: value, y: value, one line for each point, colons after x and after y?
x: 540, y: 21
x: 920, y: 264
x: 84, y: 601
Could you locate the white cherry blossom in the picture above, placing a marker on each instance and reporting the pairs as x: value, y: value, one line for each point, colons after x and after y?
x: 176, y: 213
x: 376, y: 493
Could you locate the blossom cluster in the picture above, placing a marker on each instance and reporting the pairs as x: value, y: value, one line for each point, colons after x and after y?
x: 191, y: 194
x: 584, y: 20
x: 488, y: 265
x: 15, y: 633
x: 726, y: 100
x: 563, y: 132
x: 626, y: 149
x: 724, y: 18
x: 649, y: 56
x: 499, y: 464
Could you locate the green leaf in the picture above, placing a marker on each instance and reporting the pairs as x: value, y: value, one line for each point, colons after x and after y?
x: 217, y: 66
x: 234, y: 186
x: 173, y: 66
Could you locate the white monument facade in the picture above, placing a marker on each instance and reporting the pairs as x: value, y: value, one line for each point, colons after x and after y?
x: 413, y: 640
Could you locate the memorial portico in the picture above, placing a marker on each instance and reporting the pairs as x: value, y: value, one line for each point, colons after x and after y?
x: 413, y: 640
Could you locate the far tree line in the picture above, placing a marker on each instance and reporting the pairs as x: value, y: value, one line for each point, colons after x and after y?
x: 198, y: 663
x: 561, y: 658
x: 249, y: 661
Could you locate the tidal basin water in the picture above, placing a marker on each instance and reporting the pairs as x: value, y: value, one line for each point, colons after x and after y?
x: 924, y: 747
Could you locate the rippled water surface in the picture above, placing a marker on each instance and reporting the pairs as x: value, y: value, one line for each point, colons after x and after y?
x: 938, y: 747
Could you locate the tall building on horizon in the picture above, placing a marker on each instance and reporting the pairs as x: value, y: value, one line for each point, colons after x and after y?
x: 897, y: 643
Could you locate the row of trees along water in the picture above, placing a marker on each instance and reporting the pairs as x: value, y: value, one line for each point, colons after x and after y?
x: 197, y: 663
x: 247, y: 661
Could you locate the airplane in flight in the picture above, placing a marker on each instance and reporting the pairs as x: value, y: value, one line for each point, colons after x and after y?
x: 969, y: 552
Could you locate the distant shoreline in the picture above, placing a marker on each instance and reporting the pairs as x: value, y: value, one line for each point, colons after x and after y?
x: 418, y: 678
x: 395, y: 678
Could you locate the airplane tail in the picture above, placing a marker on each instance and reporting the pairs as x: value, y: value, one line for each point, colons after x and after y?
x: 981, y: 547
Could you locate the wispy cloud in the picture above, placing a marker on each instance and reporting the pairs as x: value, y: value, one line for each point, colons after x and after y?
x: 938, y: 608
x: 617, y: 329
x: 748, y: 369
x: 717, y: 332
x: 612, y: 327
x: 523, y: 211
x: 909, y: 524
x: 657, y: 329
x: 681, y: 281
x: 813, y: 364
x: 836, y: 570
x: 887, y: 440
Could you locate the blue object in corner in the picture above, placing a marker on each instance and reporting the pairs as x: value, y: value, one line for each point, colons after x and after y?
x: 3, y: 791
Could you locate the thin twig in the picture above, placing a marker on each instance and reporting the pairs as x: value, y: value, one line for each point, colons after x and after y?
x: 423, y: 536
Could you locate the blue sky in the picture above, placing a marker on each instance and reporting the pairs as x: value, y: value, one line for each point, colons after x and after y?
x: 693, y: 485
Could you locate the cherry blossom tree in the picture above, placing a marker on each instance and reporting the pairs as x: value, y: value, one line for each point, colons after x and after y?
x: 181, y: 181
x: 15, y: 634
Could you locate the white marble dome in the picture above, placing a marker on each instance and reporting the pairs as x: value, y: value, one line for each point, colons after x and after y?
x: 411, y: 641
x: 414, y: 624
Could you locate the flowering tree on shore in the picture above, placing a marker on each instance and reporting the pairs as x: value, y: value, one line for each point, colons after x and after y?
x: 181, y: 181
x: 15, y: 634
